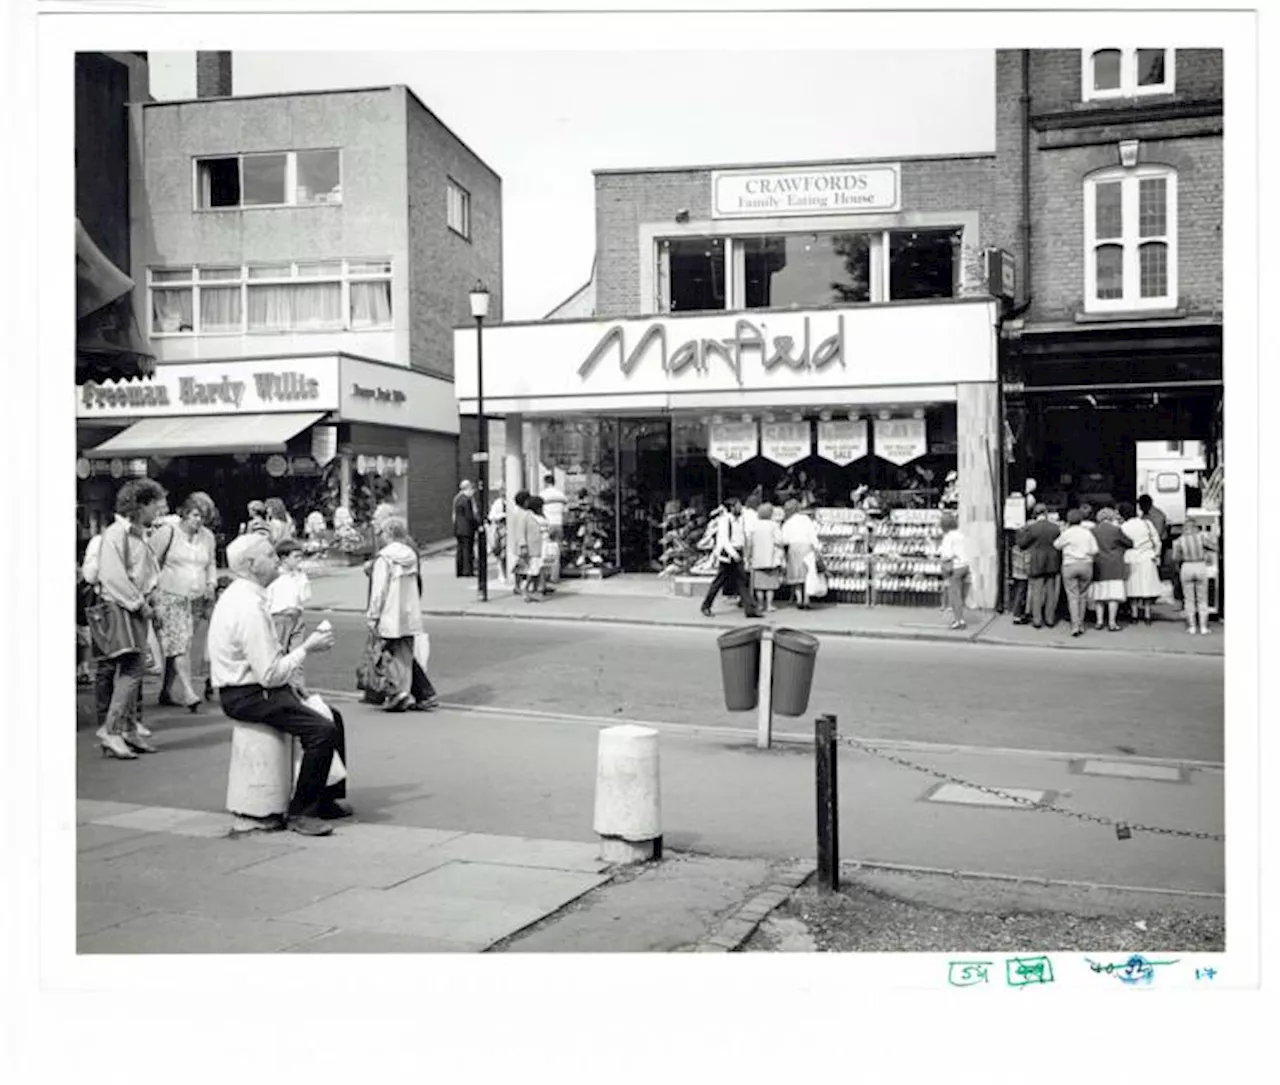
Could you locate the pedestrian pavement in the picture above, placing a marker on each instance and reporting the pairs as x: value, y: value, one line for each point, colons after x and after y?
x: 642, y: 599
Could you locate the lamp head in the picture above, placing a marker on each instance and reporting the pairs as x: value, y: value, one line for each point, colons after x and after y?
x: 479, y: 301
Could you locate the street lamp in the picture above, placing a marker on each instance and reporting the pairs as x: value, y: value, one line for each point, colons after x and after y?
x: 480, y: 310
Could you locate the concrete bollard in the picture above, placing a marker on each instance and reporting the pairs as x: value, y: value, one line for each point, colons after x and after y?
x: 260, y: 778
x: 628, y: 814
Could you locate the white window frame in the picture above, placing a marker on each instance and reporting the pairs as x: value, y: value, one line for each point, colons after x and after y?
x: 345, y: 276
x: 1130, y: 240
x: 290, y: 180
x: 1128, y: 75
x: 464, y: 204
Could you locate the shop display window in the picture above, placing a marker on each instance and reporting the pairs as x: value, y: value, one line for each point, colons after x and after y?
x: 806, y: 269
x: 584, y: 452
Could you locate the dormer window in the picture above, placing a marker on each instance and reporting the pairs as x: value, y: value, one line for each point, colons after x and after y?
x: 1126, y: 73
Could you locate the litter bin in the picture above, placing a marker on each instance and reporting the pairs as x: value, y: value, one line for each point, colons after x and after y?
x: 740, y: 667
x: 794, y: 654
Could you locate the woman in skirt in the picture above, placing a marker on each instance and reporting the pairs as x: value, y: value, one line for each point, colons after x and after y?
x: 1141, y: 563
x: 1107, y: 591
x: 765, y: 556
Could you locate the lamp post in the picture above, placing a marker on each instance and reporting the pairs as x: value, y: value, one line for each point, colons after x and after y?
x: 480, y: 310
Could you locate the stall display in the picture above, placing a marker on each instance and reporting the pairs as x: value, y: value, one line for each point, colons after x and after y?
x: 907, y: 570
x: 842, y: 538
x: 687, y: 540
x: 587, y: 547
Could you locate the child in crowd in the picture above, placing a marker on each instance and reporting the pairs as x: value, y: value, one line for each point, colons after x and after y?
x: 289, y: 593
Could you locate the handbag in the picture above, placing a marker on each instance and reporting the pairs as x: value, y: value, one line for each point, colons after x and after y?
x: 815, y: 582
x: 422, y: 650
x: 113, y: 629
x: 380, y: 673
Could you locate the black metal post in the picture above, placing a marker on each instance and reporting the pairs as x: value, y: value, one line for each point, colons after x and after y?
x: 482, y: 570
x: 828, y: 795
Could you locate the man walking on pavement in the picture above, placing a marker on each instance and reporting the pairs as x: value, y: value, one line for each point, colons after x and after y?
x: 465, y: 519
x: 731, y: 541
x: 252, y: 673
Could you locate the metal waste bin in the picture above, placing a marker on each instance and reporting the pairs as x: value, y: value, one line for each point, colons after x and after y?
x: 794, y: 654
x: 740, y: 667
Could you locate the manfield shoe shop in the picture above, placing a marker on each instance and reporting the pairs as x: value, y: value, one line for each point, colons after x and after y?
x: 308, y: 429
x: 819, y: 331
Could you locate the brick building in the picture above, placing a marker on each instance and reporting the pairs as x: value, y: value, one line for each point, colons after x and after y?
x: 304, y: 258
x: 815, y: 329
x: 1113, y: 162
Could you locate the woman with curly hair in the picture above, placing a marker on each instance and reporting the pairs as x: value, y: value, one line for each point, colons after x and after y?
x: 185, y: 553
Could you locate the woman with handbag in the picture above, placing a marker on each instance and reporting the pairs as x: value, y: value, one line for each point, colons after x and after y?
x: 395, y: 610
x: 1141, y: 563
x: 533, y: 533
x: 188, y: 578
x: 765, y: 557
x: 799, y: 539
x: 127, y: 576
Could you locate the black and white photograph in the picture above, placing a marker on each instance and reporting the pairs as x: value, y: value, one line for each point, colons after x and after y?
x: 582, y: 487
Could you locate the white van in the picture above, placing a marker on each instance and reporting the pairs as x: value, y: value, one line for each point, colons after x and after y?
x: 1171, y: 473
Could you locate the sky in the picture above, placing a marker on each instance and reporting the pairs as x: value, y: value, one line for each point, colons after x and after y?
x: 544, y: 120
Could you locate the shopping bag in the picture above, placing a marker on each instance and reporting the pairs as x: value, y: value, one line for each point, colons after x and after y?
x: 316, y: 703
x: 815, y: 583
x: 155, y: 665
x: 115, y: 631
x: 337, y: 770
x: 422, y: 650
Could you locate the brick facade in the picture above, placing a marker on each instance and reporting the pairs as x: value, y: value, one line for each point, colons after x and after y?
x: 444, y: 266
x: 626, y: 201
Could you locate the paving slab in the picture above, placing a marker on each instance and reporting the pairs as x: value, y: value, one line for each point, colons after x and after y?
x: 370, y: 839
x: 374, y: 869
x: 540, y: 887
x: 214, y: 896
x: 167, y: 933
x: 156, y: 819
x: 92, y: 916
x: 353, y: 941
x: 91, y: 809
x: 205, y: 825
x: 99, y: 838
x: 388, y: 911
x: 522, y: 851
x: 668, y: 906
x: 177, y: 857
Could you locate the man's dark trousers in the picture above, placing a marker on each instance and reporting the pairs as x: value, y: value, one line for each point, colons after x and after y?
x: 728, y: 578
x: 465, y: 559
x: 279, y: 707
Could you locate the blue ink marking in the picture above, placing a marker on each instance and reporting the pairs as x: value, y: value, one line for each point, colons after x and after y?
x: 1025, y: 971
x: 1133, y: 972
x: 1206, y: 973
x: 967, y: 973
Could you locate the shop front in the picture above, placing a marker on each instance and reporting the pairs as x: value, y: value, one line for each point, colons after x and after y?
x: 876, y: 417
x: 315, y: 431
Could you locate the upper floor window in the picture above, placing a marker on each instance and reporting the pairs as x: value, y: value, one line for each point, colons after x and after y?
x: 794, y: 270
x: 294, y: 296
x: 1131, y: 239
x: 1127, y: 73
x: 458, y: 209
x: 279, y: 179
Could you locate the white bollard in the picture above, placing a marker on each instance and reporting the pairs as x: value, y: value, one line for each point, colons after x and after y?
x: 628, y: 814
x: 260, y: 778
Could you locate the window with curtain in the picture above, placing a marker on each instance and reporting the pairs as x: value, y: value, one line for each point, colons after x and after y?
x: 1126, y: 73
x: 273, y: 179
x: 301, y: 296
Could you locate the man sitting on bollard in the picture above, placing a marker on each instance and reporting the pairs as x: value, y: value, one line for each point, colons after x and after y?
x: 252, y: 675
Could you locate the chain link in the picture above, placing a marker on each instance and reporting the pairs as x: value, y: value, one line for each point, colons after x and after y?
x: 1039, y: 807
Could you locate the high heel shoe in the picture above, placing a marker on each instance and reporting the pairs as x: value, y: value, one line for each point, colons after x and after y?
x: 114, y: 746
x: 138, y: 744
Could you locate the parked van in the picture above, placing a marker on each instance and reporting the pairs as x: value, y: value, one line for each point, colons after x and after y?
x: 1171, y: 473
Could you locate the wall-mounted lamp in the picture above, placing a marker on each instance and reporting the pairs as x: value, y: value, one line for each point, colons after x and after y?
x: 883, y: 416
x: 796, y: 416
x: 917, y: 413
x: 824, y: 416
x: 682, y: 215
x: 1129, y: 153
x: 766, y: 417
x: 747, y: 418
x: 716, y: 419
x: 854, y: 416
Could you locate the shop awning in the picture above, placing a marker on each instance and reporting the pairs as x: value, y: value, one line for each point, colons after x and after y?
x: 206, y: 436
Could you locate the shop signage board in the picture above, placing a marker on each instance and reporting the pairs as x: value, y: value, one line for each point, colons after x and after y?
x: 820, y: 352
x: 324, y: 444
x: 901, y: 440
x: 808, y: 190
x: 733, y: 443
x: 786, y: 443
x: 211, y: 388
x: 396, y: 395
x: 842, y: 442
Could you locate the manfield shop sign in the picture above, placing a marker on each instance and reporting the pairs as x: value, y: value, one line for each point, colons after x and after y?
x: 217, y: 388
x: 809, y: 190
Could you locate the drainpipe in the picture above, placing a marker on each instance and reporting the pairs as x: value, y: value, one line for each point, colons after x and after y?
x: 1025, y: 102
x: 1000, y: 475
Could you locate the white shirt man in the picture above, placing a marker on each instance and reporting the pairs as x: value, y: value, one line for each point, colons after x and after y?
x: 554, y: 503
x: 252, y: 674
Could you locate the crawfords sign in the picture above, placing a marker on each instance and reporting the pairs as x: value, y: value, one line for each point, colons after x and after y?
x: 812, y: 190
x: 750, y: 342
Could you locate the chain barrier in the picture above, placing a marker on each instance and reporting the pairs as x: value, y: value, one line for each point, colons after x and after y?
x: 1123, y: 828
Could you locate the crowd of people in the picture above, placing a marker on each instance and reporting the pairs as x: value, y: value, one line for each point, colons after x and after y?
x: 1109, y: 563
x: 523, y: 537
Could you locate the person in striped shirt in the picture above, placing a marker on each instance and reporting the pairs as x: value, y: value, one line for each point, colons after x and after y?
x: 1191, y: 554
